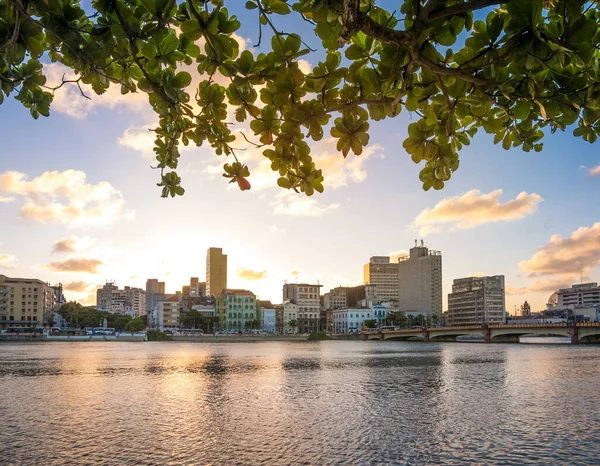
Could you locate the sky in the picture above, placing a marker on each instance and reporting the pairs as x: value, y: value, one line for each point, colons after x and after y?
x: 79, y: 205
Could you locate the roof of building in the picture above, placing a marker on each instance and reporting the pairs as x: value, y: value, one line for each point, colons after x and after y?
x: 232, y: 291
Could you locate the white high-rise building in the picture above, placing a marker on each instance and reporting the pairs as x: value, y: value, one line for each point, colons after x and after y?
x: 420, y: 281
x: 126, y: 301
x: 477, y: 300
x: 382, y: 273
x: 584, y: 295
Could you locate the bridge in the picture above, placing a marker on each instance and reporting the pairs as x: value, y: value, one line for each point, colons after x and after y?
x: 583, y: 332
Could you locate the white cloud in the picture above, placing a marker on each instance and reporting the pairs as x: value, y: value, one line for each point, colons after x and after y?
x: 66, y: 197
x: 396, y: 254
x: 78, y: 286
x: 72, y: 244
x: 68, y: 98
x: 542, y: 286
x: 475, y: 208
x: 7, y: 261
x: 337, y: 170
x: 75, y: 265
x: 573, y: 255
x: 595, y: 171
x: 291, y: 203
x: 5, y: 200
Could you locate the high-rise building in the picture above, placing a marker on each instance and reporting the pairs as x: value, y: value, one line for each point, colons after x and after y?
x: 307, y: 298
x: 126, y: 301
x: 477, y: 300
x: 420, y: 281
x: 153, y: 286
x: 344, y: 296
x: 384, y: 275
x: 584, y: 295
x: 216, y: 271
x: 25, y: 302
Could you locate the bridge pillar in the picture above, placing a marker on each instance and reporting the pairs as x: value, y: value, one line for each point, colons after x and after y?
x: 487, y: 334
x: 574, y: 334
x: 426, y: 335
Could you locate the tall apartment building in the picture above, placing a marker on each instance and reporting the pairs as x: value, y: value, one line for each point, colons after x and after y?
x: 168, y: 314
x: 216, y: 271
x: 126, y: 301
x: 420, y: 281
x: 477, y: 300
x: 25, y: 302
x: 153, y: 287
x: 308, y: 300
x: 384, y: 275
x: 584, y: 295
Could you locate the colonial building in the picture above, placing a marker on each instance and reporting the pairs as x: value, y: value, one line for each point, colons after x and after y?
x: 237, y: 310
x: 477, y: 300
x: 307, y: 298
x: 350, y: 320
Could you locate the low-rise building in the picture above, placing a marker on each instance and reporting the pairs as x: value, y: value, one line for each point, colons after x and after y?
x: 25, y: 302
x: 350, y: 320
x: 290, y: 317
x: 237, y: 310
x: 268, y: 316
x: 168, y: 314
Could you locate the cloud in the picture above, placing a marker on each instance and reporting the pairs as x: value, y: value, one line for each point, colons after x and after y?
x: 68, y: 99
x: 291, y: 203
x: 396, y: 254
x: 66, y: 197
x: 595, y: 171
x: 477, y: 274
x: 140, y: 138
x: 7, y: 261
x: 339, y: 171
x: 72, y: 244
x: 276, y: 231
x: 75, y: 265
x: 296, y: 273
x: 248, y: 274
x: 573, y: 255
x: 542, y: 286
x: 78, y: 287
x: 475, y: 208
x: 6, y: 200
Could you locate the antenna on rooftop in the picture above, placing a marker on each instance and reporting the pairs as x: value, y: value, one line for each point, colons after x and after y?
x: 415, y: 243
x: 422, y: 244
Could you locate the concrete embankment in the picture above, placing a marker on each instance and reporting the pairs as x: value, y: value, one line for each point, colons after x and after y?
x: 237, y: 338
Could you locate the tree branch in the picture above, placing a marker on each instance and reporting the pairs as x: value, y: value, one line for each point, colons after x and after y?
x: 465, y: 7
x: 15, y: 33
x: 449, y: 71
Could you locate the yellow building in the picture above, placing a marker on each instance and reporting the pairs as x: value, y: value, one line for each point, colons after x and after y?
x: 25, y: 302
x: 216, y: 271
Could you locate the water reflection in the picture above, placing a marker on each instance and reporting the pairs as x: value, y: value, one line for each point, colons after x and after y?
x: 298, y: 403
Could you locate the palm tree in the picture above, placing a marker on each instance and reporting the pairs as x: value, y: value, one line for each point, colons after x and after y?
x: 293, y: 324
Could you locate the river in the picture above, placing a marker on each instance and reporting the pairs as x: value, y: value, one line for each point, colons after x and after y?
x: 333, y: 402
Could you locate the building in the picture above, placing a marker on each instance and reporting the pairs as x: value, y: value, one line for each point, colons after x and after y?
x: 216, y: 271
x: 25, y: 302
x: 153, y: 286
x: 268, y: 316
x: 420, y: 281
x: 197, y: 288
x: 290, y: 317
x: 129, y: 300
x: 168, y: 314
x: 525, y: 309
x: 382, y: 273
x: 585, y: 295
x: 307, y: 298
x: 477, y: 300
x: 237, y: 310
x: 279, y: 318
x: 350, y: 320
x: 59, y: 297
x: 345, y: 296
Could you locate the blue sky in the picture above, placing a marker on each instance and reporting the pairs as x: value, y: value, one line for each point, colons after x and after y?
x: 372, y: 205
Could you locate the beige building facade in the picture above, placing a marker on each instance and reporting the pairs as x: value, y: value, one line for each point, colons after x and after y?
x: 216, y: 271
x: 382, y: 273
x: 25, y: 302
x: 420, y: 282
x: 477, y: 300
x: 307, y: 298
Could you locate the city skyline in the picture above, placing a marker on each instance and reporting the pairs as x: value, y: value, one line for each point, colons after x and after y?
x: 79, y: 205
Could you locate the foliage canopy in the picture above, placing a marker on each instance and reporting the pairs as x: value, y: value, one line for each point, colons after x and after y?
x: 513, y: 69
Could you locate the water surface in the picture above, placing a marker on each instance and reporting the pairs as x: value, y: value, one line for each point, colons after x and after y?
x: 299, y: 403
